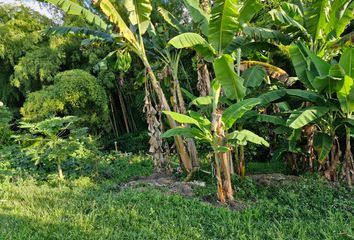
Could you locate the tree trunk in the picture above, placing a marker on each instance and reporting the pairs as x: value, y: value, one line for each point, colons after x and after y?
x: 331, y: 172
x: 161, y: 164
x: 349, y: 167
x: 192, y: 149
x: 232, y: 169
x: 165, y: 106
x: 202, y: 68
x: 122, y: 105
x: 237, y: 160
x: 242, y: 162
x: 220, y: 193
x: 60, y: 171
x: 113, y: 118
x: 225, y: 166
x: 240, y: 159
x: 203, y: 85
x: 310, y: 131
x: 225, y: 192
x: 205, y: 4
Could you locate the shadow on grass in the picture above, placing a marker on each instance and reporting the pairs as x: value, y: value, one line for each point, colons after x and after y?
x: 22, y: 227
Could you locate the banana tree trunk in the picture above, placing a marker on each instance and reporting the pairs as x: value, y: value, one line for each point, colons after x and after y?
x: 242, y: 166
x: 225, y: 191
x: 161, y: 163
x: 331, y: 172
x: 192, y: 149
x: 220, y: 188
x: 310, y: 131
x: 241, y: 151
x: 225, y: 166
x: 203, y: 85
x: 187, y: 163
x: 240, y: 158
x: 205, y: 4
x: 349, y: 166
x: 232, y: 169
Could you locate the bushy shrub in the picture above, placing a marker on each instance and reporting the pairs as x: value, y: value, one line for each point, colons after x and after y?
x: 74, y: 92
x: 56, y: 143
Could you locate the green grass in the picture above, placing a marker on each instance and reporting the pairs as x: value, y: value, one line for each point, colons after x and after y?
x: 83, y: 209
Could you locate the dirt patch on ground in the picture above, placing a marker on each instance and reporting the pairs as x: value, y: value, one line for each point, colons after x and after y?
x: 166, y: 182
x: 173, y: 186
x: 273, y: 178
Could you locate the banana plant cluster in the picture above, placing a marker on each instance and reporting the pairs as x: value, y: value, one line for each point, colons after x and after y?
x: 321, y: 23
x: 333, y: 82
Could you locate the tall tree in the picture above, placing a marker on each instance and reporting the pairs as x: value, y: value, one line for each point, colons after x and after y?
x: 19, y: 28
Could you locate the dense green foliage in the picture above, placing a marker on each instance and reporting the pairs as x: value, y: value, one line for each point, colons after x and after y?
x: 5, y: 131
x: 74, y: 92
x: 19, y: 31
x: 31, y: 62
x: 55, y: 140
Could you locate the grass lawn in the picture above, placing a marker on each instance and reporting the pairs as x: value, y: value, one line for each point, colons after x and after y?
x: 83, y: 209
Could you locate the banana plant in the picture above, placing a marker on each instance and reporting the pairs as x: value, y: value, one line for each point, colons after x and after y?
x: 216, y: 133
x: 170, y: 58
x: 321, y: 23
x: 334, y: 83
x: 200, y: 19
x: 112, y: 28
x: 226, y: 20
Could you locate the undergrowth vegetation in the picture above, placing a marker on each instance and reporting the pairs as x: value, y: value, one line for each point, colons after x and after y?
x: 85, y: 208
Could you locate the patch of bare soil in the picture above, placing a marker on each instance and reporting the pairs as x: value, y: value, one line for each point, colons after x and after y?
x: 164, y: 181
x: 185, y: 189
x: 273, y: 178
x: 174, y: 186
